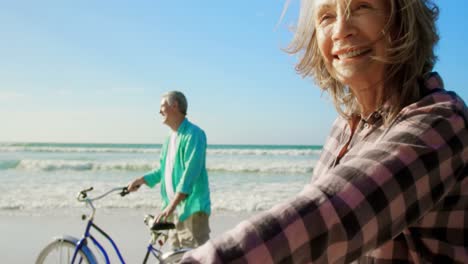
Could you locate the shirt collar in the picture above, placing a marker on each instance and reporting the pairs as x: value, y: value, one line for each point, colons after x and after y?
x: 183, y: 125
x: 431, y: 82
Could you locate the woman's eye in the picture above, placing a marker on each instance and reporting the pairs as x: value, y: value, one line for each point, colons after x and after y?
x: 324, y: 18
x: 362, y: 6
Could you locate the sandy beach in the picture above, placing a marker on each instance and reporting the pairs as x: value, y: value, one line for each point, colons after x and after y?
x: 244, y: 180
x: 23, y: 236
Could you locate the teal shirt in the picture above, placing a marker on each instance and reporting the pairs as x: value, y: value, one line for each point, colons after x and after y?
x: 189, y: 175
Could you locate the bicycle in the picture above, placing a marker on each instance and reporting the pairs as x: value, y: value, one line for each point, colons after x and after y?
x: 68, y: 249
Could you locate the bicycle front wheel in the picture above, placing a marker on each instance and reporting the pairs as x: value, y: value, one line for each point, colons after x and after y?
x: 61, y: 251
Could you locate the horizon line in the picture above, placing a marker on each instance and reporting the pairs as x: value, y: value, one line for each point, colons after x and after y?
x: 145, y: 143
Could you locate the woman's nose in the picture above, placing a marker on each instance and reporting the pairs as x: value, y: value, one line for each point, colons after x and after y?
x: 343, y: 27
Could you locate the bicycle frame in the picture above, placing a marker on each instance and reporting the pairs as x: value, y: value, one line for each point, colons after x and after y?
x: 150, y: 249
x: 87, y: 235
x: 90, y: 225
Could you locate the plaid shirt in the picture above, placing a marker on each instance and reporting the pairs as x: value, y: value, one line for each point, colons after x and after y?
x: 398, y: 195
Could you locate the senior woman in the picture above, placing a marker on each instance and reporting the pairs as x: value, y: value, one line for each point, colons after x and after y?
x: 391, y: 185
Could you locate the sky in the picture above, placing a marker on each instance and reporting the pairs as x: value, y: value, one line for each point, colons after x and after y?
x: 93, y: 71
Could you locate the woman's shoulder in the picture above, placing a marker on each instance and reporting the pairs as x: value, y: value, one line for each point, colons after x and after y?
x: 439, y: 102
x: 436, y: 100
x: 434, y: 109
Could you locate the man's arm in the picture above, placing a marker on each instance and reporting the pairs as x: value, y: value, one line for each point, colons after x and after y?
x: 150, y: 179
x: 179, y: 197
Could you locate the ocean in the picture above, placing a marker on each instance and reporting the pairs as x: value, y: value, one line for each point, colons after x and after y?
x: 42, y: 178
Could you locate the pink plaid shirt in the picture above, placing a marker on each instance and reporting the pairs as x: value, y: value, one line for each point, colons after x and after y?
x: 398, y: 195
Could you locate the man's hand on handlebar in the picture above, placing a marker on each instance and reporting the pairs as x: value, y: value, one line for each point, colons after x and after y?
x: 135, y: 184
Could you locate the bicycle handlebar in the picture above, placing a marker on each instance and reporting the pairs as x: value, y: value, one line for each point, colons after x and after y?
x: 83, y: 197
x: 124, y: 191
x: 83, y: 194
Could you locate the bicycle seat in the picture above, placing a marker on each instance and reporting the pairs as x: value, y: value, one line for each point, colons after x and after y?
x: 162, y: 226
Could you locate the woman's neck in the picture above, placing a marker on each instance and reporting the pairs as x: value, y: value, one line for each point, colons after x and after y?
x: 369, y: 98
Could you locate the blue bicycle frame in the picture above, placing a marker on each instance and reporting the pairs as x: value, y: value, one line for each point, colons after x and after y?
x: 87, y: 235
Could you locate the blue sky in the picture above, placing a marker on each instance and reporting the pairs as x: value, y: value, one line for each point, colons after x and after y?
x: 93, y: 71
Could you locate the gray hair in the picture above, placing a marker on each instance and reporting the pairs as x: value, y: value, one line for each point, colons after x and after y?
x: 179, y: 97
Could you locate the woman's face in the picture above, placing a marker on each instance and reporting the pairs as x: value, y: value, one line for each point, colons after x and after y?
x: 349, y: 39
